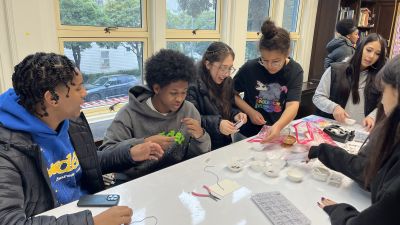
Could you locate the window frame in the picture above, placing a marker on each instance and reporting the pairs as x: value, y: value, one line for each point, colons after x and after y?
x: 73, y: 31
x: 294, y: 36
x: 68, y: 33
x: 178, y: 35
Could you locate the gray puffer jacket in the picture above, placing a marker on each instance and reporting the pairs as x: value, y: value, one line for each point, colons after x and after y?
x: 25, y: 189
x: 338, y: 49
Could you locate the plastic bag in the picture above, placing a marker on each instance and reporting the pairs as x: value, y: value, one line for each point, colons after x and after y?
x: 309, y: 134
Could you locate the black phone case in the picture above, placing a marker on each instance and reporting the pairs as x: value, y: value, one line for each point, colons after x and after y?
x: 98, y: 200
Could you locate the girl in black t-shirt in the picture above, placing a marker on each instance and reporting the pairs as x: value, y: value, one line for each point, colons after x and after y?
x: 271, y: 84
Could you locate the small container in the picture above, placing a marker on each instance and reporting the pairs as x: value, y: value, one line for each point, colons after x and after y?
x: 320, y: 173
x: 235, y: 166
x: 295, y: 175
x: 288, y: 141
x: 272, y: 171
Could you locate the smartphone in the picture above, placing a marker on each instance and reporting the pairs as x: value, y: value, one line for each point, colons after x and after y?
x: 98, y: 200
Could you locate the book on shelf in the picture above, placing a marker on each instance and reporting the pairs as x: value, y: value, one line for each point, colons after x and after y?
x: 346, y: 13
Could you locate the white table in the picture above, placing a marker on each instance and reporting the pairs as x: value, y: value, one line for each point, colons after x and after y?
x: 166, y: 193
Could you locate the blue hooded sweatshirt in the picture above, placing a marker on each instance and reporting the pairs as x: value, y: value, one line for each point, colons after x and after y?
x: 63, y: 166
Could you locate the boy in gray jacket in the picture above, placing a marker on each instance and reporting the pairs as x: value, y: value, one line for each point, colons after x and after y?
x: 158, y: 113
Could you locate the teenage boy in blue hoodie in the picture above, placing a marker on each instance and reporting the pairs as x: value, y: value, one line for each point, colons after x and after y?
x: 47, y: 156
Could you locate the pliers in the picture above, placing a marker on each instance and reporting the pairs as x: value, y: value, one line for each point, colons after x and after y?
x: 210, y: 195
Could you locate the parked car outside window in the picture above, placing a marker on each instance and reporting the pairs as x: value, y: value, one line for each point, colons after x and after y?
x: 110, y: 87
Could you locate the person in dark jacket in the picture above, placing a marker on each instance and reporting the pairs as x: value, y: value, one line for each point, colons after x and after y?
x: 213, y: 95
x: 47, y: 154
x: 342, y: 47
x: 382, y: 163
x: 349, y: 89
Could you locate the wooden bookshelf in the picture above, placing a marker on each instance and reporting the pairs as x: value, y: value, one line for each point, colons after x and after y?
x: 380, y: 19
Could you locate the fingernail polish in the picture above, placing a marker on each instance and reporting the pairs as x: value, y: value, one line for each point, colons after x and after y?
x: 322, y: 198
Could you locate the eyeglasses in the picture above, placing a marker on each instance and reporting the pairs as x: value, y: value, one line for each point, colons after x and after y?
x: 225, y: 69
x: 273, y: 64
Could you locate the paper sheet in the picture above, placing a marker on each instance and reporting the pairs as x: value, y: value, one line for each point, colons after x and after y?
x: 228, y: 186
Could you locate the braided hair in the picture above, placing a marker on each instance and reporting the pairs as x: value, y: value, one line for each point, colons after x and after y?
x: 38, y: 73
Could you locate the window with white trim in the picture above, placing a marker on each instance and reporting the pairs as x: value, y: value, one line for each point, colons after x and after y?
x: 258, y: 11
x: 192, y: 25
x: 107, y: 40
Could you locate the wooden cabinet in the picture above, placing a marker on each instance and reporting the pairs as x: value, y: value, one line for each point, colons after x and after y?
x: 324, y: 31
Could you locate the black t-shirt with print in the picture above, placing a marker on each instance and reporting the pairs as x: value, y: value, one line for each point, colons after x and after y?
x: 268, y: 93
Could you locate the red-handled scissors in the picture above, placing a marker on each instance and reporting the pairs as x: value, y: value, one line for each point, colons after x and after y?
x: 210, y: 195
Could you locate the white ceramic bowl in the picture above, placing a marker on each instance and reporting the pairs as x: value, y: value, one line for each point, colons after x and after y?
x: 272, y: 171
x: 235, y: 166
x: 295, y: 175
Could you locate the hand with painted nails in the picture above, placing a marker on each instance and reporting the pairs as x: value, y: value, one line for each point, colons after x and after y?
x: 325, y: 202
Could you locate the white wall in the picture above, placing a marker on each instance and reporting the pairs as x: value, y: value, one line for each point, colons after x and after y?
x: 28, y: 26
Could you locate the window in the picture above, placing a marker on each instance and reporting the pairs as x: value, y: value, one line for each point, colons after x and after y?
x: 257, y: 13
x: 105, y: 59
x: 290, y: 15
x: 191, y: 14
x: 192, y: 25
x: 293, y: 45
x: 194, y: 50
x: 124, y: 61
x: 291, y: 22
x: 251, y: 50
x: 107, y: 13
x: 107, y: 40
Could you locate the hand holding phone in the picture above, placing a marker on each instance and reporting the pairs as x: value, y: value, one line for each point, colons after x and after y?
x: 98, y: 200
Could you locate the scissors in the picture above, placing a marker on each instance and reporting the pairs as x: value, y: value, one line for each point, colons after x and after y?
x: 210, y: 195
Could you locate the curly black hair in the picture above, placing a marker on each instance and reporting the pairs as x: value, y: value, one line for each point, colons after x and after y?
x: 38, y: 73
x: 168, y: 66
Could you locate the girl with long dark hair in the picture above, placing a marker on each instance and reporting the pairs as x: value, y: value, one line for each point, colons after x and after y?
x: 348, y: 89
x: 213, y: 95
x: 381, y: 166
